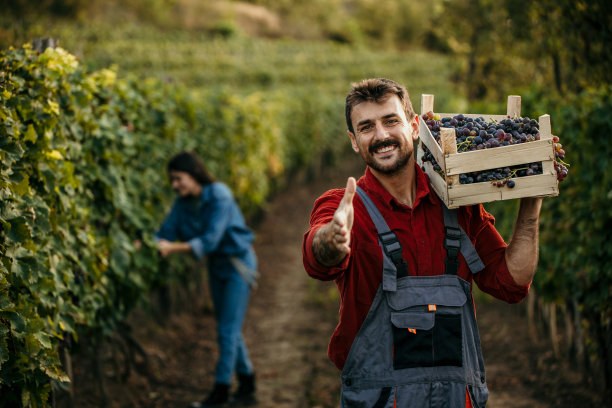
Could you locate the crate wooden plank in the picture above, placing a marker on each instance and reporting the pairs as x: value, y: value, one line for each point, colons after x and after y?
x: 473, y: 199
x: 503, y: 195
x: 546, y: 134
x: 538, y: 191
x: 530, y: 186
x: 514, y: 106
x: 487, y: 117
x: 427, y: 101
x: 449, y: 147
x: 543, y: 181
x: 478, y: 160
x: 429, y: 141
x: 437, y: 182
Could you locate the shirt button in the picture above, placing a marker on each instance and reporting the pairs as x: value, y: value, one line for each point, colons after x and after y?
x: 482, y: 379
x: 348, y: 382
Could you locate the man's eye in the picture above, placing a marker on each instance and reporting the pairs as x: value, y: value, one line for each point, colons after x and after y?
x: 365, y: 128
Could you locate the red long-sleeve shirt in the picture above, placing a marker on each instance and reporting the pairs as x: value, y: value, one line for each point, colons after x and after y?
x: 420, y: 230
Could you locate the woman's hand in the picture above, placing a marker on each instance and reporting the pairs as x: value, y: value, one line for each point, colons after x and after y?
x: 166, y: 247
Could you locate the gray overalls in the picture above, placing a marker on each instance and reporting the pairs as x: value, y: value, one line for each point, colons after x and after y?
x: 418, y: 345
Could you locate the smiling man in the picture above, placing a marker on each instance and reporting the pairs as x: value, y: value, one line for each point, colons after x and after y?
x: 404, y: 265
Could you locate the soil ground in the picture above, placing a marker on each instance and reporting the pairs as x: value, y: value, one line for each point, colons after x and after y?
x: 289, y: 322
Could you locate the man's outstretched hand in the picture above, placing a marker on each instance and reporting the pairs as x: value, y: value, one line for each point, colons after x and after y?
x: 331, y: 243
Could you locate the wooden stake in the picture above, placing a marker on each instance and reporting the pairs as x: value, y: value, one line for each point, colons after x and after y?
x: 552, y: 324
x: 427, y: 103
x: 514, y: 106
x: 545, y: 128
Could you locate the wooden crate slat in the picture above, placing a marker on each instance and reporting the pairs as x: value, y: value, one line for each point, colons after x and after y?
x: 449, y: 147
x: 531, y: 192
x: 487, y: 117
x: 433, y: 146
x: 543, y: 181
x: 427, y: 101
x: 474, y: 199
x: 503, y: 195
x: 437, y: 182
x: 486, y: 198
x: 514, y: 106
x: 512, y: 155
x: 548, y: 167
x: 544, y: 126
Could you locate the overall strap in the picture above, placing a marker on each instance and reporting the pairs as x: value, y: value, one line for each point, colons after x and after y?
x: 394, y: 265
x: 455, y: 241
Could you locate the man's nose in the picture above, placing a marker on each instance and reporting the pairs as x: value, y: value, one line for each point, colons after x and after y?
x: 380, y: 131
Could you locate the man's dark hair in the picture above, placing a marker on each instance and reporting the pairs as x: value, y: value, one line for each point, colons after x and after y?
x: 190, y: 163
x: 376, y: 90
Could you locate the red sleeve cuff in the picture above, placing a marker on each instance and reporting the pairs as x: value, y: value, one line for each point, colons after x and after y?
x: 313, y: 267
x: 518, y: 292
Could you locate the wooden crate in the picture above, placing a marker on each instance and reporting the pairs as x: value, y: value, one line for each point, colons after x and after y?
x: 453, y: 164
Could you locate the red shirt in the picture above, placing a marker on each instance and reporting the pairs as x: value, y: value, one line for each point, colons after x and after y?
x: 420, y: 230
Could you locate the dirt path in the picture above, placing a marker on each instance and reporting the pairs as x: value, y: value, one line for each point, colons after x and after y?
x: 289, y: 322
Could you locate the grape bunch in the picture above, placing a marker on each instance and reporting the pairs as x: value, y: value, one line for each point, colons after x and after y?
x: 478, y: 134
x: 560, y: 165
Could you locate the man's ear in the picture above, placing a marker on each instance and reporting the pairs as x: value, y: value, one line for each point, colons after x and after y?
x: 414, y: 124
x: 353, y: 141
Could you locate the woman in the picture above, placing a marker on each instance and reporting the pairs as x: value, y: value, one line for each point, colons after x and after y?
x: 205, y: 220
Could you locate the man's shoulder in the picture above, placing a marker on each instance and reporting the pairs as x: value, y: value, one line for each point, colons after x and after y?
x: 331, y: 195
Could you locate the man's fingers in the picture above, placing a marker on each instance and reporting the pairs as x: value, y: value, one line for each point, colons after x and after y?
x: 349, y: 192
x: 341, y: 236
x: 340, y: 229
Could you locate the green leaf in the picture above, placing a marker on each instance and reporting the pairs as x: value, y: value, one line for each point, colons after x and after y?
x: 20, y: 230
x: 18, y: 323
x: 22, y: 187
x: 30, y: 134
x: 43, y: 339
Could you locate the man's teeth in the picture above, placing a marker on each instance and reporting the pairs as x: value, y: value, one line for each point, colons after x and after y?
x: 385, y: 149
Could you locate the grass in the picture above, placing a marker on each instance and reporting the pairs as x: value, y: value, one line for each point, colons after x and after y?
x: 198, y: 60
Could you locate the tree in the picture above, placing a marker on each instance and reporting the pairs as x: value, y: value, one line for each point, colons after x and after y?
x: 512, y: 43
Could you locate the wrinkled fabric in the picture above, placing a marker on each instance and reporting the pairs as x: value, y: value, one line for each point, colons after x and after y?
x: 212, y: 224
x: 420, y: 230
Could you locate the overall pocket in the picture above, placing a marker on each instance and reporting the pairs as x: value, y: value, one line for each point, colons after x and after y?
x: 426, y: 339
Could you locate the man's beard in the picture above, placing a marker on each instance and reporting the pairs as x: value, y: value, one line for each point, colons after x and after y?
x: 402, y: 161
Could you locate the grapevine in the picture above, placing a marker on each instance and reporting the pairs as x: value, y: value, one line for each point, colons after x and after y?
x: 478, y: 134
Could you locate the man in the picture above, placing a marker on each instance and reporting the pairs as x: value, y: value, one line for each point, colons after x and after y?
x: 404, y: 264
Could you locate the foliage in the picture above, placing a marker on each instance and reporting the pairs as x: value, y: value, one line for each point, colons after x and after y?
x: 503, y: 45
x: 82, y: 177
x: 575, y: 249
x: 83, y: 146
x: 387, y: 23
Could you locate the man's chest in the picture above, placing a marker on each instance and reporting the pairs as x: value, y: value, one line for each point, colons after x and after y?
x: 420, y: 234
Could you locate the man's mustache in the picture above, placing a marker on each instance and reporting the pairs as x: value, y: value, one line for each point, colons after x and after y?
x: 383, y: 143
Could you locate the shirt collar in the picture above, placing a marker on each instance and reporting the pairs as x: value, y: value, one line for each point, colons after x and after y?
x: 373, y: 186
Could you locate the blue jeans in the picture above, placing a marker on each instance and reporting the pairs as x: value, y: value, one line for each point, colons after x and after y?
x: 230, y: 294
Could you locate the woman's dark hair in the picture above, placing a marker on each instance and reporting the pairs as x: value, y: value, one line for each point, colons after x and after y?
x: 190, y: 163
